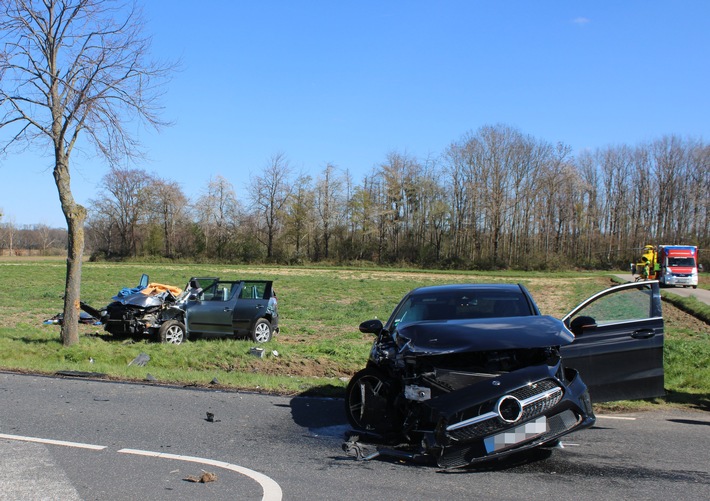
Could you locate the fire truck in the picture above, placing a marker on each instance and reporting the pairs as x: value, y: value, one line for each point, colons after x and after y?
x: 670, y: 264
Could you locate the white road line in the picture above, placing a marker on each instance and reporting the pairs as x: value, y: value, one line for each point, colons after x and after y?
x: 53, y: 442
x: 272, y: 490
x: 623, y: 418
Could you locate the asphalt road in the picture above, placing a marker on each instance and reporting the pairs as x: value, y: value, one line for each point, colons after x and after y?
x: 134, y: 441
x: 700, y: 294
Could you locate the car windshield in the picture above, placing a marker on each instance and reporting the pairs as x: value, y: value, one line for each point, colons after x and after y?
x: 461, y: 304
x: 681, y: 261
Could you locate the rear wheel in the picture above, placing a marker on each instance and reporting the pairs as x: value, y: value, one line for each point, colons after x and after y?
x: 262, y: 331
x: 172, y: 332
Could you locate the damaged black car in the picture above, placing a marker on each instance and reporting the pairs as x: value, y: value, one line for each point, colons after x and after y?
x: 471, y: 372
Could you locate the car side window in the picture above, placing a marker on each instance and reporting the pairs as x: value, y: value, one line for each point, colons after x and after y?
x: 253, y: 290
x: 218, y: 291
x: 630, y: 304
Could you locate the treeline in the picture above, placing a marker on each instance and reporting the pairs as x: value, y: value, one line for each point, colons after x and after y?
x: 32, y: 240
x: 496, y: 198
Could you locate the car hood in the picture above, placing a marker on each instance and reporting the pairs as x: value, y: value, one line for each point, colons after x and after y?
x: 139, y: 300
x: 484, y: 334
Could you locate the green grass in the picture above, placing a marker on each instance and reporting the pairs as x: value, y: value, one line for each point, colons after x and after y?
x: 319, y: 346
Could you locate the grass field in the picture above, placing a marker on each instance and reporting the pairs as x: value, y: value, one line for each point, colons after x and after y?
x: 319, y: 346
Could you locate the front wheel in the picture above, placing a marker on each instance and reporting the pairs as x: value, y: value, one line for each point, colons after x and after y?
x: 172, y: 332
x: 369, y: 402
x: 262, y: 331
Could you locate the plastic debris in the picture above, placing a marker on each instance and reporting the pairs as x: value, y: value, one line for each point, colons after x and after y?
x: 140, y: 360
x: 257, y: 352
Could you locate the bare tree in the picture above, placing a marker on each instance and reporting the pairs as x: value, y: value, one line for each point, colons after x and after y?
x: 70, y: 67
x: 269, y: 193
x: 299, y: 213
x: 328, y: 204
x: 125, y: 202
x: 8, y: 235
x: 169, y: 205
x: 218, y: 211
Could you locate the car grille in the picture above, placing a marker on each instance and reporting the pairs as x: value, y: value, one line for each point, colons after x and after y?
x: 464, y: 454
x: 535, y: 399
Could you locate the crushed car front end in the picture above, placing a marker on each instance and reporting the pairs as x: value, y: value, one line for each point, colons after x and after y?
x: 502, y: 413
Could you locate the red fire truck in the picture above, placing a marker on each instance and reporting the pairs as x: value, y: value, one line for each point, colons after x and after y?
x: 670, y: 264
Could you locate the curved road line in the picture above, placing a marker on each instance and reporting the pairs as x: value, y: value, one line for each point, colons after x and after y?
x: 272, y: 490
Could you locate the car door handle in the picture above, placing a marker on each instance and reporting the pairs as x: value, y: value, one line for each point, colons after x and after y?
x: 259, y: 306
x: 227, y: 309
x: 643, y: 334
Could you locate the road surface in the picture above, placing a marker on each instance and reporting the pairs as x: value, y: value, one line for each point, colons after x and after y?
x: 74, y: 439
x: 700, y: 294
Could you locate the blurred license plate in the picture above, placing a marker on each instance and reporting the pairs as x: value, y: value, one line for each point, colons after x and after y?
x: 521, y: 433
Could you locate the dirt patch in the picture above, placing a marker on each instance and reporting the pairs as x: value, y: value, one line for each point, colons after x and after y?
x: 302, y: 367
x: 676, y: 319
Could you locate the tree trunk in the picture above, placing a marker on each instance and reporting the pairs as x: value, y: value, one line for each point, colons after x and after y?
x: 72, y: 290
x: 75, y: 215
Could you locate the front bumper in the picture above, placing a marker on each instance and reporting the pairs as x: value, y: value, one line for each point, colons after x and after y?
x: 514, y: 419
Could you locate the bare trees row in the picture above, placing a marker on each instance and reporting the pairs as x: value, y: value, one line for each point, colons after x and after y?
x: 495, y: 198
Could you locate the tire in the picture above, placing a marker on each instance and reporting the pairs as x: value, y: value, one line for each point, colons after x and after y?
x: 369, y: 402
x: 261, y: 333
x: 172, y: 332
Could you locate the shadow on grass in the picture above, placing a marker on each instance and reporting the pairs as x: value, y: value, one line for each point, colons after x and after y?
x: 698, y: 401
x: 57, y: 340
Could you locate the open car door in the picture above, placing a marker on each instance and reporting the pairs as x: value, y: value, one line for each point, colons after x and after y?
x: 618, y: 346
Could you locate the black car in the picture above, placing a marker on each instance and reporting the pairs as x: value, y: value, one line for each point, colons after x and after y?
x: 471, y: 372
x: 206, y: 307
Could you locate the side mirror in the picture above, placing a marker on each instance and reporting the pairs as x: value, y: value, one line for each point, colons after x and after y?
x: 579, y: 324
x: 371, y: 326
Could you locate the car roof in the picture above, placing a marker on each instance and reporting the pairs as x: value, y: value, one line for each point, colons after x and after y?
x: 461, y: 287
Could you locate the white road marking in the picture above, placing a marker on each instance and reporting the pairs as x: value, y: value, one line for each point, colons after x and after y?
x: 78, y: 445
x: 616, y: 417
x: 272, y: 490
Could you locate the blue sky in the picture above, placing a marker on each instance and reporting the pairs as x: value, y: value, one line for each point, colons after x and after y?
x: 348, y: 82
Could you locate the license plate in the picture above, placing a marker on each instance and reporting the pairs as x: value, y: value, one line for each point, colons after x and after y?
x: 521, y: 433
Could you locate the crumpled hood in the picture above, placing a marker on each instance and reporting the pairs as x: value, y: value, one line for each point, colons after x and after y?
x: 140, y: 300
x: 483, y: 334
